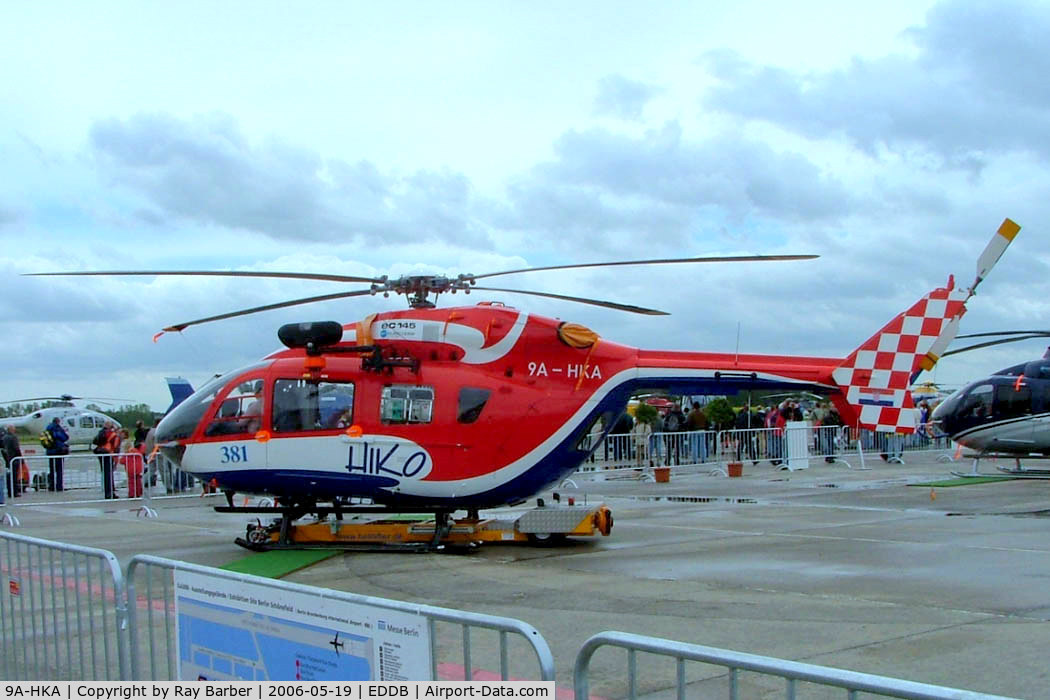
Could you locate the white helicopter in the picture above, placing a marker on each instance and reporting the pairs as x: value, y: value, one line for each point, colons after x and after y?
x: 82, y: 424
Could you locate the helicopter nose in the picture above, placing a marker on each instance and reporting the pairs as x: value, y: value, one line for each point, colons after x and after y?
x: 943, y: 417
x: 166, y: 438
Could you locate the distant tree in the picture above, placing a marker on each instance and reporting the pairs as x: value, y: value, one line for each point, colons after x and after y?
x: 127, y: 415
x: 647, y: 414
x: 15, y: 410
x: 720, y: 414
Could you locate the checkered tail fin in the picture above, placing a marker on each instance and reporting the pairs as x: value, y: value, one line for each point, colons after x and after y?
x: 875, y: 379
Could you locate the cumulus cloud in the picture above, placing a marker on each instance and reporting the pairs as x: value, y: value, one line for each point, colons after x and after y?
x: 623, y: 98
x: 205, y: 170
x: 974, y: 85
x: 663, y: 187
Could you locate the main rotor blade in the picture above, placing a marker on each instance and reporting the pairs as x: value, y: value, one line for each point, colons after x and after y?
x: 68, y: 399
x: 990, y: 343
x: 582, y: 300
x: 268, y: 307
x: 661, y: 261
x: 986, y: 335
x: 45, y: 398
x: 213, y: 273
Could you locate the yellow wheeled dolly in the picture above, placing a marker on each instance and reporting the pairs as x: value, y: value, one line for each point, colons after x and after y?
x: 542, y: 525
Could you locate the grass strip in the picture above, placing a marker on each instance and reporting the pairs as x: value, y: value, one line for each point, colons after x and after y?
x: 965, y: 481
x: 279, y: 562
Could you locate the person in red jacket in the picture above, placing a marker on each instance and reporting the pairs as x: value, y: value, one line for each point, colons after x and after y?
x: 131, y: 458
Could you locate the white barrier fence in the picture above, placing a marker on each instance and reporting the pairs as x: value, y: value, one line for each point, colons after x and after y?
x: 461, y: 642
x: 82, y: 473
x: 790, y: 447
x: 727, y: 683
x: 66, y: 614
x: 62, y: 611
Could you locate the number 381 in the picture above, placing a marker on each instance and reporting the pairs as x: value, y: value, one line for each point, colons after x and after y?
x: 234, y: 453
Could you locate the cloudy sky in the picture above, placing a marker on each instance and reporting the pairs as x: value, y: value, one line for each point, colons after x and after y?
x: 369, y: 139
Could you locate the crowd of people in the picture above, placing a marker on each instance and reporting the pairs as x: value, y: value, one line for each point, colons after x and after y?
x: 677, y: 435
x: 117, y: 449
x: 121, y: 448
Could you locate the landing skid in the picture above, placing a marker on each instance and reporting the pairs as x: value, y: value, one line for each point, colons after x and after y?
x: 370, y: 531
x: 1018, y: 472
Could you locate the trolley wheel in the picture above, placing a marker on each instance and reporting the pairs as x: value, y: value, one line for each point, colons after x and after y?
x: 257, y: 535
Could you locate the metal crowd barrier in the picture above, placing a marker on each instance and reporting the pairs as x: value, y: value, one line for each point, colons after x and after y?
x: 82, y: 474
x: 734, y: 662
x: 152, y: 608
x: 628, y: 451
x: 66, y: 614
x: 836, y: 444
x: 62, y: 611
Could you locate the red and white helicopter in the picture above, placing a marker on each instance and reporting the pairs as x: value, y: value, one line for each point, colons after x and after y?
x: 471, y: 407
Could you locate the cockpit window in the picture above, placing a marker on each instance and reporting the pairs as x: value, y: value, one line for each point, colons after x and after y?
x: 240, y: 412
x: 978, y: 403
x: 184, y: 418
x: 407, y: 403
x: 471, y: 402
x: 299, y: 405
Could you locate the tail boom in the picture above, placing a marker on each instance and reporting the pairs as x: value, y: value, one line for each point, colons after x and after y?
x: 870, y: 387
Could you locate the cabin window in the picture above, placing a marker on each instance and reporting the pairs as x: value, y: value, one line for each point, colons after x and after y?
x: 299, y: 405
x: 406, y: 403
x: 471, y: 403
x: 1011, y: 401
x: 240, y: 412
x: 87, y: 422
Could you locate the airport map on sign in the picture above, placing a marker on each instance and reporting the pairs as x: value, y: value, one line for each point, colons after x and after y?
x: 232, y: 630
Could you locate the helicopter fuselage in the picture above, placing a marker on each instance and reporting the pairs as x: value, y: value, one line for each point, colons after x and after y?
x: 467, y: 407
x: 1008, y: 412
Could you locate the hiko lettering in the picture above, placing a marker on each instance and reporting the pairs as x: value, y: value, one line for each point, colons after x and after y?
x: 374, y: 461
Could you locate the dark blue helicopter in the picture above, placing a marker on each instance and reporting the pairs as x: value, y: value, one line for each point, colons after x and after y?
x: 1007, y: 413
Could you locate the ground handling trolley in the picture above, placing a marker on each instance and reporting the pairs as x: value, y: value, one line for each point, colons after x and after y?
x: 370, y: 528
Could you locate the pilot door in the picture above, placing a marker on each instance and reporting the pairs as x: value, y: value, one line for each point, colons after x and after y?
x: 308, y: 431
x: 236, y: 424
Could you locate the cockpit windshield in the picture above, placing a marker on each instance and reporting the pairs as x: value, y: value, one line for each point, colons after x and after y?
x: 183, y: 420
